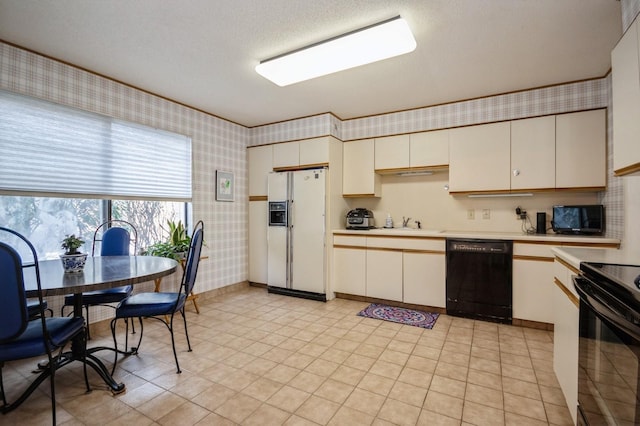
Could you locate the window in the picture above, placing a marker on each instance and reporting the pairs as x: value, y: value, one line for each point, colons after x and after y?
x: 65, y: 171
x: 46, y: 221
x: 46, y: 148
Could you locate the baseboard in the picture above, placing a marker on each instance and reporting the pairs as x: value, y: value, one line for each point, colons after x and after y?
x: 516, y: 321
x: 533, y: 324
x: 433, y: 309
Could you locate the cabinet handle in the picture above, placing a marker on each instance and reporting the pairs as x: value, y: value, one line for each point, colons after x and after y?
x: 516, y: 172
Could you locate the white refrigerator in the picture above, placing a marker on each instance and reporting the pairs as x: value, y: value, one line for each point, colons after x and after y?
x: 296, y: 261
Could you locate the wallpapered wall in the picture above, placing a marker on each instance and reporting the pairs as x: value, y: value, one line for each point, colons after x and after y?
x: 217, y: 144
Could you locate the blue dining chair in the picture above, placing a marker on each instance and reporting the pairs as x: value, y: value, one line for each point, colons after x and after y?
x: 23, y: 338
x: 113, y: 238
x: 157, y: 305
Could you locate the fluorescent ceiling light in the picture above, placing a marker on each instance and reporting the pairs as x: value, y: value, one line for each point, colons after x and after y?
x: 370, y: 44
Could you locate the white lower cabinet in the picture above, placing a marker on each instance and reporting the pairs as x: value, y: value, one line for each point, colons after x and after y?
x: 349, y: 270
x: 258, y: 220
x: 384, y: 274
x: 565, y: 336
x: 409, y: 270
x: 532, y: 290
x: 424, y: 279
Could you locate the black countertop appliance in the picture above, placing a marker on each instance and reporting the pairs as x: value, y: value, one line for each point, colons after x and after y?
x: 360, y: 219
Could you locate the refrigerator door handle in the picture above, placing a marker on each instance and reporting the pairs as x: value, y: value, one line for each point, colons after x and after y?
x: 289, y: 283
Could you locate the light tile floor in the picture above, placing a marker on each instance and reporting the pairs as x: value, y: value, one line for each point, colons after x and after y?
x: 263, y: 359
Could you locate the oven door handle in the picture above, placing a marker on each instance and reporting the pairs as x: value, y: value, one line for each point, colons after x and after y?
x: 596, y: 300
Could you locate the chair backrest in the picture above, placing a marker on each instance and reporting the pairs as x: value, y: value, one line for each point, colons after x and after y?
x: 193, y: 258
x: 116, y: 237
x: 13, y: 301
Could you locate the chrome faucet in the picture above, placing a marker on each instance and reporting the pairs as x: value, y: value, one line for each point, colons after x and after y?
x: 405, y: 222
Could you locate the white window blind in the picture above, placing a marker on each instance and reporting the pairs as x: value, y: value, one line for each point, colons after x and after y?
x: 46, y: 148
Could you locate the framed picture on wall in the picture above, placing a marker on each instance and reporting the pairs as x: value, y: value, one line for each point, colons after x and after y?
x: 224, y: 186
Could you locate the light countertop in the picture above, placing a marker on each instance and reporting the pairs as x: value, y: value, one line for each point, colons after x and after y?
x: 575, y: 255
x: 515, y: 236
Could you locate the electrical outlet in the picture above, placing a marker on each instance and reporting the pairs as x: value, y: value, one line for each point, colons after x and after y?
x: 486, y: 214
x: 471, y: 214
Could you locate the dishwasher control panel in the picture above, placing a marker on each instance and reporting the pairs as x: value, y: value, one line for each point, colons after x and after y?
x: 479, y: 246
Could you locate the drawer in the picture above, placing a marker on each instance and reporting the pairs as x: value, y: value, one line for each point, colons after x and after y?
x: 537, y: 250
x: 348, y: 240
x: 407, y: 243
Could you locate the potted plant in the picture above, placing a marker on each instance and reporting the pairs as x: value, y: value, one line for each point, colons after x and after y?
x: 177, y: 244
x: 72, y: 259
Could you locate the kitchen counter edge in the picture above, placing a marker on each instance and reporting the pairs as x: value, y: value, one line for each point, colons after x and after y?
x: 515, y: 236
x: 574, y: 255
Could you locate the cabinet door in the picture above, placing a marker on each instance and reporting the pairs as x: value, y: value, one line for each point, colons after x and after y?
x: 533, y: 153
x: 260, y: 164
x: 314, y: 152
x: 480, y: 158
x: 392, y: 152
x: 424, y: 279
x: 258, y: 241
x: 359, y: 177
x: 625, y: 83
x: 533, y: 290
x: 286, y: 155
x: 384, y: 274
x: 429, y: 149
x: 349, y: 273
x: 581, y: 150
x: 565, y: 347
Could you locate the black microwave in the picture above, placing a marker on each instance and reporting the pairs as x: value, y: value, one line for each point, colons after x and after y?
x: 585, y: 219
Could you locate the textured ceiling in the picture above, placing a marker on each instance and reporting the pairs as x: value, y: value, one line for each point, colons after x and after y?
x: 203, y: 52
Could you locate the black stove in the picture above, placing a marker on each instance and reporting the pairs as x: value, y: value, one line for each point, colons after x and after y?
x: 622, y: 281
x: 609, y: 344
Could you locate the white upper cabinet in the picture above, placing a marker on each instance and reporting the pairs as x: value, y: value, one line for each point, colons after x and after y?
x: 533, y: 153
x: 305, y: 153
x: 392, y: 153
x: 286, y: 155
x: 260, y: 164
x: 416, y: 151
x: 566, y: 151
x: 314, y: 152
x: 581, y: 150
x: 480, y: 158
x: 429, y: 149
x: 358, y: 175
x: 626, y: 102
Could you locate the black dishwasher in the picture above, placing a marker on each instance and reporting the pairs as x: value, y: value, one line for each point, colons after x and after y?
x: 479, y: 277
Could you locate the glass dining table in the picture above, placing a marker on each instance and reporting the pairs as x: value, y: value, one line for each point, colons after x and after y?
x: 99, y: 273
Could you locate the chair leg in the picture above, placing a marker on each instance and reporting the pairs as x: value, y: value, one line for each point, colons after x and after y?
x: 115, y: 345
x: 52, y: 381
x: 86, y: 307
x: 173, y: 345
x: 137, y: 348
x: 134, y: 350
x: 186, y: 331
x: 84, y: 359
x: 4, y: 398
